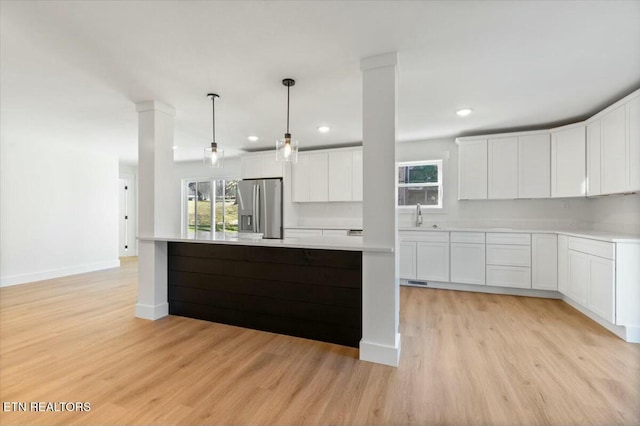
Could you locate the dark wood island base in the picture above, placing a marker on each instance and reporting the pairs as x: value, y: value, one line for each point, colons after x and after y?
x: 311, y: 293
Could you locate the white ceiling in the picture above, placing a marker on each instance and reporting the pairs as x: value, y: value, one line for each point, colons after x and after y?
x: 70, y: 72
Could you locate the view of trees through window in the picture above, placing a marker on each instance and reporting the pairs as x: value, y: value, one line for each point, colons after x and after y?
x: 211, y: 202
x: 420, y: 183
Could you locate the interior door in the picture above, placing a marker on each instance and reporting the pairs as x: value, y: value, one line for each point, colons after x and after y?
x: 123, y: 240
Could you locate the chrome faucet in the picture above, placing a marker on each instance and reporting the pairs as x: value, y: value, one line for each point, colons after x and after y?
x: 418, y: 216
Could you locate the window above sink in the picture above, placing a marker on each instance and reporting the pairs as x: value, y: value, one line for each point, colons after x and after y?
x: 420, y: 182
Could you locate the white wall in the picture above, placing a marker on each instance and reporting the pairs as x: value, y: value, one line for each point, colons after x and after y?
x: 617, y: 213
x: 58, y: 213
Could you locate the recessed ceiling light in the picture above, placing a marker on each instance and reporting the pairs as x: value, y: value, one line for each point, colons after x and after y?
x: 175, y: 147
x: 323, y: 129
x: 464, y: 112
x: 252, y: 138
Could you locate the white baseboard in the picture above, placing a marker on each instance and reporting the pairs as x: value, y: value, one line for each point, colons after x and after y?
x: 56, y: 273
x: 152, y: 312
x: 381, y: 354
x: 512, y: 291
x: 626, y: 333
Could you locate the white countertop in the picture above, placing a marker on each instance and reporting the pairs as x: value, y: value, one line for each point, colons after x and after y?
x: 323, y: 243
x: 339, y: 227
x: 611, y: 237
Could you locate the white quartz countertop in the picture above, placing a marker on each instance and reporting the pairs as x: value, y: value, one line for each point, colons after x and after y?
x: 340, y: 227
x: 594, y: 235
x: 323, y: 243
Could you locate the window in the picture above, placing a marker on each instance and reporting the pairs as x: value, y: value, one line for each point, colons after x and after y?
x: 210, y: 202
x: 420, y: 182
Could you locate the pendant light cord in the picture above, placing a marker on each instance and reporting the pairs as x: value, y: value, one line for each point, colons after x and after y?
x: 213, y: 116
x: 288, y: 88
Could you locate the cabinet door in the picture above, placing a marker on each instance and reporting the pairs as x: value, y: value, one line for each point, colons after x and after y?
x: 432, y: 261
x: 614, y: 161
x: 601, y: 288
x: 563, y: 264
x: 579, y: 277
x: 568, y: 157
x: 340, y: 175
x: 302, y: 233
x: 270, y: 167
x: 407, y: 260
x: 467, y: 263
x: 534, y: 166
x: 356, y: 178
x: 633, y: 143
x: 544, y: 261
x: 508, y: 276
x: 594, y: 158
x: 503, y: 168
x: 300, y: 179
x: 472, y: 170
x: 251, y: 167
x: 318, y: 179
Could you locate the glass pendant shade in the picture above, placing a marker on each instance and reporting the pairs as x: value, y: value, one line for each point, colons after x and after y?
x: 287, y: 149
x: 214, y: 156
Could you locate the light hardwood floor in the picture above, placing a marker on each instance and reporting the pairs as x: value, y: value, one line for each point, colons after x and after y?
x: 467, y: 359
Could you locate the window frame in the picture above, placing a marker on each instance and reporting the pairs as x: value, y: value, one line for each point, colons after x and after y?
x: 440, y: 184
x: 185, y: 201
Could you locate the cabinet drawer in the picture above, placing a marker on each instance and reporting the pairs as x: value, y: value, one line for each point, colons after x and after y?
x: 596, y: 248
x: 467, y: 237
x: 508, y: 238
x: 500, y: 254
x: 433, y: 236
x: 334, y: 232
x: 302, y: 233
x: 508, y: 276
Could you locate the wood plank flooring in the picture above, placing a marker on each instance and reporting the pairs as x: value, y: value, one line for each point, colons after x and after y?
x: 467, y: 359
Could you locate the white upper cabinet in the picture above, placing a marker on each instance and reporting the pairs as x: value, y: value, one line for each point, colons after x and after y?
x: 309, y: 178
x: 613, y: 157
x: 633, y: 143
x: 258, y: 166
x: 593, y: 158
x: 356, y: 173
x: 472, y: 170
x: 318, y: 177
x: 613, y: 148
x: 568, y: 158
x: 340, y: 176
x: 503, y: 168
x: 327, y: 175
x: 534, y: 166
x: 300, y: 179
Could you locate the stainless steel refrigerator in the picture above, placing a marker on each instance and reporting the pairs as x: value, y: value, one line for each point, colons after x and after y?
x: 260, y: 207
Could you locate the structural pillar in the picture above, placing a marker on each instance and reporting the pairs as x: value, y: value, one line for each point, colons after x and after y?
x: 158, y: 202
x: 381, y: 286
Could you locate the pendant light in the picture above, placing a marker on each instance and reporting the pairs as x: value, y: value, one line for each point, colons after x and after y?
x: 213, y: 156
x: 287, y: 148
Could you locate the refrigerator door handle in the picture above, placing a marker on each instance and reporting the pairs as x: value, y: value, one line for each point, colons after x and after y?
x: 256, y: 208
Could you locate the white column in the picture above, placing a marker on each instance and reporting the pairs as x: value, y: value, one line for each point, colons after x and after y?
x: 380, y: 287
x: 158, y: 201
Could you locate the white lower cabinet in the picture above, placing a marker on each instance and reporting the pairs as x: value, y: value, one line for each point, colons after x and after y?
x: 592, y: 283
x: 407, y: 255
x: 544, y: 261
x: 424, y: 256
x: 509, y: 260
x: 432, y: 261
x: 468, y: 263
x: 508, y: 276
x: 602, y: 288
x: 302, y: 233
x: 563, y: 264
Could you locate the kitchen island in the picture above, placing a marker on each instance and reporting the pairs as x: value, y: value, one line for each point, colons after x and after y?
x: 305, y: 287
